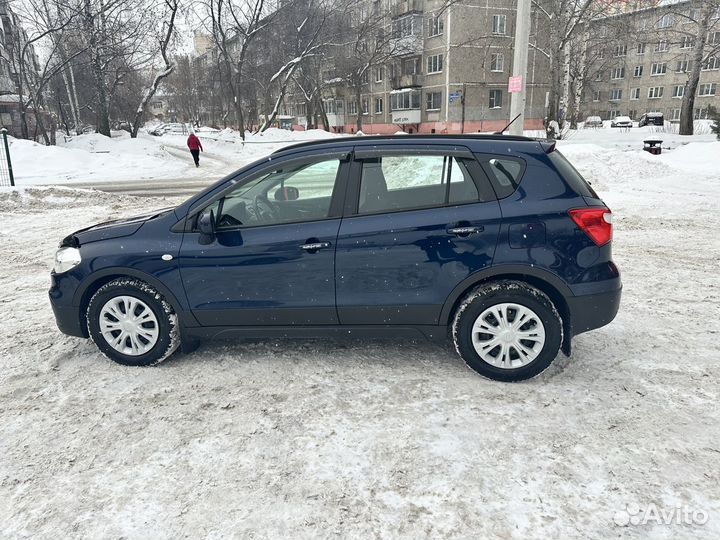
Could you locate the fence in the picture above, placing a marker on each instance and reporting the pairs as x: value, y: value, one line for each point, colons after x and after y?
x: 6, y: 172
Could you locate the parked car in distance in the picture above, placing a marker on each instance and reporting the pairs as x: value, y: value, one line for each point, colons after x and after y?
x: 593, y: 122
x: 621, y: 122
x: 652, y: 119
x: 495, y: 240
x: 157, y: 130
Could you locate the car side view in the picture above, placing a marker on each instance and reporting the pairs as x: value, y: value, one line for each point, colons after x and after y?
x: 495, y: 240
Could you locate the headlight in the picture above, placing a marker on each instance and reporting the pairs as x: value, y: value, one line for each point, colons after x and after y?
x: 66, y: 258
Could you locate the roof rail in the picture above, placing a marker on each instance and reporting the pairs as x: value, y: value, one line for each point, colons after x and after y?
x: 414, y: 136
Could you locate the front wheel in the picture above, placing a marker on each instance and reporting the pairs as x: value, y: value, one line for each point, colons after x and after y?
x: 507, y: 331
x: 131, y: 323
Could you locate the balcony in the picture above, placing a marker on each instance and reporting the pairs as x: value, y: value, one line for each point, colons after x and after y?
x: 406, y: 46
x: 406, y: 81
x: 403, y: 7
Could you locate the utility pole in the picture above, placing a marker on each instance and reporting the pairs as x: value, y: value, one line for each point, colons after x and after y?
x: 520, y: 60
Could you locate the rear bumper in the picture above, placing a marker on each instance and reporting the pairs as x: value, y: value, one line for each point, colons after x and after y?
x: 591, y: 311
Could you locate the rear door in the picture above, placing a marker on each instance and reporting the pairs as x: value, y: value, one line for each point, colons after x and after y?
x: 418, y: 220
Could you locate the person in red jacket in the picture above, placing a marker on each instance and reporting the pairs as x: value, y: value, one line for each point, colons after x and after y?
x: 195, y: 147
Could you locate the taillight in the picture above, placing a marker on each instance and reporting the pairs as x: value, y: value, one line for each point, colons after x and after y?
x: 595, y: 222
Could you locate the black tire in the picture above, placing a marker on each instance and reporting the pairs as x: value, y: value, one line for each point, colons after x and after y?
x: 490, y: 294
x: 168, y: 339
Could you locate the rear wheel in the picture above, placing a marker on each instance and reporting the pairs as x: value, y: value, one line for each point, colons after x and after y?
x: 507, y: 331
x: 131, y: 323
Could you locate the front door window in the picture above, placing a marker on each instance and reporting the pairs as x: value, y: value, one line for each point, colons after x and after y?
x: 292, y: 193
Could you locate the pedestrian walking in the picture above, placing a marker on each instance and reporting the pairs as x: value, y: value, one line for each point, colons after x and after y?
x: 195, y: 147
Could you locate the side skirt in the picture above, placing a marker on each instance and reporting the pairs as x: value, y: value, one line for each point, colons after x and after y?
x: 192, y: 335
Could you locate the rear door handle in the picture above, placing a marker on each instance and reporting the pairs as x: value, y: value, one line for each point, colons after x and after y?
x: 314, y: 246
x: 465, y: 231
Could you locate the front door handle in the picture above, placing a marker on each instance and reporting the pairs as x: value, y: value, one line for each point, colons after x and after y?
x: 465, y: 231
x: 314, y: 246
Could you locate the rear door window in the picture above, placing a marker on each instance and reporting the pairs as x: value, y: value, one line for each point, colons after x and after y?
x: 400, y: 182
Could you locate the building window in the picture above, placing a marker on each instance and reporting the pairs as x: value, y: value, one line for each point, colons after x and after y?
x: 712, y: 63
x: 407, y: 99
x: 601, y: 54
x: 620, y: 50
x: 495, y: 99
x: 675, y: 114
x: 352, y: 107
x: 436, y: 26
x: 658, y: 68
x: 433, y: 101
x: 638, y: 71
x: 365, y: 106
x: 713, y: 38
x: 379, y: 74
x: 635, y: 93
x: 617, y: 73
x: 666, y: 21
x: 406, y: 26
x: 707, y: 89
x: 615, y: 94
x: 655, y: 92
x: 378, y: 105
x: 687, y: 42
x: 700, y: 114
x: 678, y: 91
x: 613, y: 114
x: 596, y: 95
x: 683, y: 66
x: 499, y: 24
x: 497, y: 62
x: 435, y: 63
x: 598, y: 76
x: 641, y: 48
x: 662, y: 46
x: 411, y: 67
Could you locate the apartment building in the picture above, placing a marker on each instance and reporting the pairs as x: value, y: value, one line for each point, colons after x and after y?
x: 646, y: 70
x: 447, y: 73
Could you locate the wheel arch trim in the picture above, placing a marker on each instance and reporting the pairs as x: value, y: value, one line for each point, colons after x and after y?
x: 549, y: 283
x: 90, y: 283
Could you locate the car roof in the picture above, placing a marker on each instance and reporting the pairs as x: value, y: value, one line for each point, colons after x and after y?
x: 431, y: 138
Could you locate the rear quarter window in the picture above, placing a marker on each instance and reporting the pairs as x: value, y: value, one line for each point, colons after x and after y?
x: 505, y: 173
x: 571, y: 175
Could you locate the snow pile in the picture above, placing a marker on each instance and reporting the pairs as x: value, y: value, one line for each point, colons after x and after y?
x: 91, y: 157
x: 702, y: 157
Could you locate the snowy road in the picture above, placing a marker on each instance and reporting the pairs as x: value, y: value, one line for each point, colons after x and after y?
x: 312, y: 439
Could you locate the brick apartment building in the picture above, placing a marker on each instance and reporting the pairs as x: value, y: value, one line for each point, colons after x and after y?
x: 646, y: 70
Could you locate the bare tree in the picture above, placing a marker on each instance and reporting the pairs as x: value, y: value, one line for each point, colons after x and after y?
x: 564, y: 19
x: 705, y: 17
x: 168, y: 18
x: 234, y: 25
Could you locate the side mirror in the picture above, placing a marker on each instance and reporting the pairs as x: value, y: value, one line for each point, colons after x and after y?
x: 288, y: 193
x: 206, y: 226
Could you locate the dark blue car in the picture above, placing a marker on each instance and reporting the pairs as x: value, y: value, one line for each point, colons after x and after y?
x: 496, y: 240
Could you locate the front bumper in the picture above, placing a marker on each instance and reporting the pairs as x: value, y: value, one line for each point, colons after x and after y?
x: 591, y: 311
x: 68, y: 317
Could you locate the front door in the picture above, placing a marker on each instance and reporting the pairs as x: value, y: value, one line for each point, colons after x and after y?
x: 272, y: 261
x: 422, y: 224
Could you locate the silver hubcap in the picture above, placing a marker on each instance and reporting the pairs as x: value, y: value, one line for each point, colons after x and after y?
x: 508, y: 336
x: 129, y: 325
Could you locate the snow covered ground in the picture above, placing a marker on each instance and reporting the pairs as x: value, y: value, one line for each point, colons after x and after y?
x: 307, y: 439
